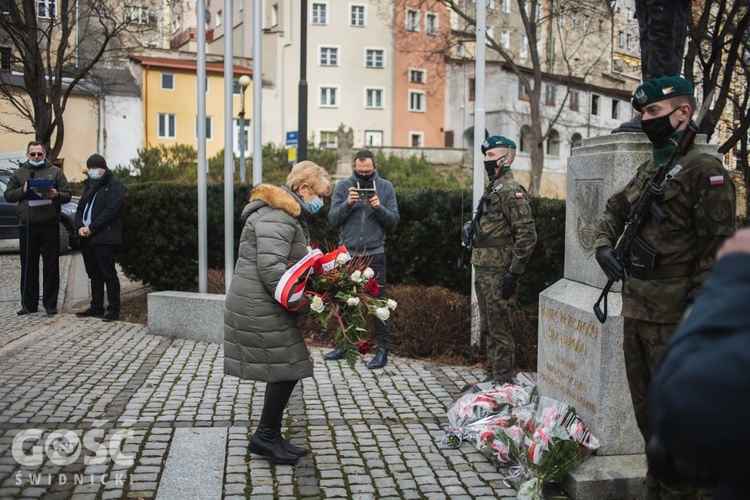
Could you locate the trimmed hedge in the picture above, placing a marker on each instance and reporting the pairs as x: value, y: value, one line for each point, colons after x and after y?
x: 161, y: 237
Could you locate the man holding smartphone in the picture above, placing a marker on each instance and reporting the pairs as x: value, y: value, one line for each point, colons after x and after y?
x: 363, y: 207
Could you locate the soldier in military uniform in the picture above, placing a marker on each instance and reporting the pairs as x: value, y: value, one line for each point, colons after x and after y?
x: 503, y: 243
x: 699, y: 202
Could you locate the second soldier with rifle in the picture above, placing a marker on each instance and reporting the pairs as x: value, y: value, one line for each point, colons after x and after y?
x: 676, y: 241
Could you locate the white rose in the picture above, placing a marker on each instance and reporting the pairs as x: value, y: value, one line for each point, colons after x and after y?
x: 369, y: 273
x: 383, y: 313
x: 317, y: 305
x: 343, y: 258
x: 357, y: 276
x: 309, y: 249
x: 392, y: 304
x: 352, y: 301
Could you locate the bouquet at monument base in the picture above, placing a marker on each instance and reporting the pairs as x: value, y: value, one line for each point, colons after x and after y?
x: 343, y: 291
x: 538, y: 439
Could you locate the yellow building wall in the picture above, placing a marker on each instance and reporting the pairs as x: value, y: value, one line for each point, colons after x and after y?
x: 182, y: 102
x: 80, y: 140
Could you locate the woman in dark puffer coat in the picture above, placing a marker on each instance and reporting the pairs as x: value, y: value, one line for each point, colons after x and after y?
x: 261, y: 338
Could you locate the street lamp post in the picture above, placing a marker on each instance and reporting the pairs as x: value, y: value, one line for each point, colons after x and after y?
x: 244, y: 82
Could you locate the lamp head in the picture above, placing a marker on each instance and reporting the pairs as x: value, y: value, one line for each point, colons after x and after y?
x: 244, y: 81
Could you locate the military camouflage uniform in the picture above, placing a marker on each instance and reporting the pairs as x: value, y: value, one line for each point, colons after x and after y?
x: 700, y: 204
x: 505, y: 241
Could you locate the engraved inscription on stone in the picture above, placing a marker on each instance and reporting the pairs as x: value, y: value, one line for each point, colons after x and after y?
x: 588, y: 200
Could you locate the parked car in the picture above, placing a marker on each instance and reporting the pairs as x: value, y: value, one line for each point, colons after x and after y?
x: 9, y: 220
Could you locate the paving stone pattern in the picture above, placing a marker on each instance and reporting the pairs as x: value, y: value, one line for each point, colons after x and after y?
x: 372, y: 434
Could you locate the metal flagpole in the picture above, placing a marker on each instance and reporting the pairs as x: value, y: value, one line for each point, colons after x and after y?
x: 202, y: 204
x: 228, y: 146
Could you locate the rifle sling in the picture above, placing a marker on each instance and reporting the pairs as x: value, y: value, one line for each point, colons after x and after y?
x: 642, y: 272
x: 494, y: 242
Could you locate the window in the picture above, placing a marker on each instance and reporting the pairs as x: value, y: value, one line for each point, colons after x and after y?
x: 574, y: 100
x: 505, y: 7
x: 586, y: 23
x: 357, y: 17
x: 319, y: 13
x: 524, y: 52
x: 412, y: 20
x: 167, y: 81
x: 574, y: 21
x: 416, y: 139
x: 275, y: 15
x: 549, y: 95
x: 329, y: 56
x: 328, y: 97
x: 417, y: 101
x: 417, y: 75
x: 523, y: 95
x: 505, y: 38
x: 575, y: 141
x: 460, y: 49
x: 374, y: 98
x: 621, y: 39
x: 594, y: 104
x: 374, y: 58
x: 615, y: 109
x: 219, y: 18
x: 553, y: 143
x: 561, y: 18
x: 236, y: 88
x: 209, y: 127
x: 207, y: 84
x: 244, y: 135
x: 472, y: 89
x: 373, y: 137
x: 490, y: 35
x: 601, y: 30
x: 431, y: 23
x: 328, y: 140
x: 46, y: 9
x: 628, y: 41
x: 4, y: 6
x: 6, y: 58
x: 137, y: 15
x: 524, y: 139
x: 167, y: 126
x: 538, y: 14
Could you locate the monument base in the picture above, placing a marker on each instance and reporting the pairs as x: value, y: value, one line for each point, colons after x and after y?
x: 614, y: 477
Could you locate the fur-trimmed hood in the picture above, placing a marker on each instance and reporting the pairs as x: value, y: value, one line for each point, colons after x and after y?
x: 275, y: 197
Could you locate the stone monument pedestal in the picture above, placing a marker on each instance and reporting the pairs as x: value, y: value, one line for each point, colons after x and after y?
x: 580, y: 360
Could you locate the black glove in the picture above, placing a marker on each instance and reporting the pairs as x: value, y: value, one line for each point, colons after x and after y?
x: 508, y: 286
x: 605, y: 256
x: 668, y: 468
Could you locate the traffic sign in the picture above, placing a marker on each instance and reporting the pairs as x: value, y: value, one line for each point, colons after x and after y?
x: 291, y: 138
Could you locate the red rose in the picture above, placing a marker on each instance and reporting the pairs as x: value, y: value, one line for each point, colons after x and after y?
x: 363, y: 347
x: 372, y: 288
x: 318, y: 268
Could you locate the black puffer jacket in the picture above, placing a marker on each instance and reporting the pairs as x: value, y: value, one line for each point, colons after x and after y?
x: 106, y: 216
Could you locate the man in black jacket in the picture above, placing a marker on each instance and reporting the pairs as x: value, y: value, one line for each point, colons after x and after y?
x: 99, y: 224
x: 39, y: 226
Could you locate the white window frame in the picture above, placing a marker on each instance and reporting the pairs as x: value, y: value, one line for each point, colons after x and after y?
x: 505, y: 38
x: 374, y: 50
x: 353, y: 6
x: 423, y: 71
x: 236, y: 137
x: 373, y: 133
x: 166, y: 117
x: 417, y: 13
x: 598, y: 99
x: 505, y: 6
x: 324, y: 20
x: 335, y: 93
x: 335, y: 48
x: 491, y: 34
x: 161, y: 81
x: 274, y: 15
x: 328, y: 145
x: 209, y: 128
x: 382, y: 97
x: 523, y: 52
x: 550, y: 91
x: 436, y: 28
x: 219, y: 19
x: 413, y: 133
x: 135, y: 14
x: 50, y: 9
x: 423, y: 101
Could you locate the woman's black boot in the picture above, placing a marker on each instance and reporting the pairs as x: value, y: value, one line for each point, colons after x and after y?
x: 267, y: 441
x: 295, y: 450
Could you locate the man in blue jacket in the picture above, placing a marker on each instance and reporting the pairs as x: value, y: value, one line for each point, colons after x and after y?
x: 699, y: 394
x: 363, y: 207
x: 99, y: 224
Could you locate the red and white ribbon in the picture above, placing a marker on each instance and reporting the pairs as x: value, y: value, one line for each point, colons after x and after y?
x: 328, y: 261
x: 289, y: 290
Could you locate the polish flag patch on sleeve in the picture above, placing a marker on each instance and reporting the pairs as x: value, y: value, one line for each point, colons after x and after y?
x: 716, y: 180
x: 519, y: 195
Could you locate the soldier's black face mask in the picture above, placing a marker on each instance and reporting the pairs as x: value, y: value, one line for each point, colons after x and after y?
x: 491, y: 166
x: 658, y: 129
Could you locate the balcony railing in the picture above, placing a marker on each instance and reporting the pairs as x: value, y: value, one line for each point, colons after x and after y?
x: 187, y: 35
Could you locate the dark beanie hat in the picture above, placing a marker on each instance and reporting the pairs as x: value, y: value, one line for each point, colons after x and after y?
x: 96, y: 161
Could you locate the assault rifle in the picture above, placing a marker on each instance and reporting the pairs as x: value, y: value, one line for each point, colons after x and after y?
x: 648, y: 204
x: 470, y: 228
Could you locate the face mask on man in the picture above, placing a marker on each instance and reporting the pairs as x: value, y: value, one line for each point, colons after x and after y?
x: 658, y: 129
x: 364, y: 177
x: 94, y: 174
x: 315, y: 205
x: 36, y: 163
x: 491, y: 166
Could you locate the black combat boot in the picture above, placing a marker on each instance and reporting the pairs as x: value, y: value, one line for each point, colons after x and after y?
x: 380, y: 359
x: 334, y: 355
x: 267, y: 441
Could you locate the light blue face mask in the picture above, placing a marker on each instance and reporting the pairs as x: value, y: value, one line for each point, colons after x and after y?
x: 315, y: 205
x: 36, y: 163
x: 94, y: 174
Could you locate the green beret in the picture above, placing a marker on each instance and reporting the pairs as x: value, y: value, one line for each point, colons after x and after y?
x: 497, y: 141
x: 658, y: 89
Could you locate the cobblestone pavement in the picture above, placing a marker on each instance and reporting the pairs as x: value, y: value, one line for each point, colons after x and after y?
x: 372, y: 434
